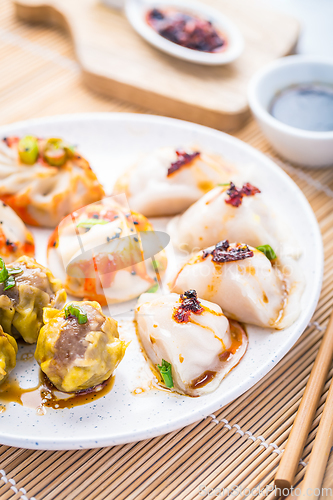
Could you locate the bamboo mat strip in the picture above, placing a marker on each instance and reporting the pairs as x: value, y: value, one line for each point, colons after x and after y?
x: 240, y: 445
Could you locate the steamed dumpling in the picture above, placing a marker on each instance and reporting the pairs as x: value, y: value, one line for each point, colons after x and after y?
x: 44, y: 180
x: 193, y: 336
x: 228, y: 212
x: 28, y: 288
x: 78, y: 348
x: 167, y: 181
x: 245, y: 284
x: 96, y: 253
x: 15, y: 239
x: 8, y: 351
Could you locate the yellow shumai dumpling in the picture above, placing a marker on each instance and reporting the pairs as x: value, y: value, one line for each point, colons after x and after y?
x: 78, y: 347
x: 8, y: 351
x: 21, y: 306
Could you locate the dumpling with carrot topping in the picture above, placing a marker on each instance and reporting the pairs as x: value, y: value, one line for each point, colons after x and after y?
x: 15, y: 239
x: 78, y: 348
x: 8, y: 351
x: 167, y: 181
x: 232, y: 213
x: 104, y: 252
x: 25, y: 288
x: 44, y: 180
x: 245, y: 283
x: 190, y: 343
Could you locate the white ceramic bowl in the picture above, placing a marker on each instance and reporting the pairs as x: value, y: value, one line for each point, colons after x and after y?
x: 307, y: 148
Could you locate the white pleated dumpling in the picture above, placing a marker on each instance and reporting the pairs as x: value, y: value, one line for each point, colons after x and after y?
x: 245, y: 284
x: 44, y: 180
x: 235, y: 214
x: 189, y: 341
x: 15, y: 239
x: 167, y: 181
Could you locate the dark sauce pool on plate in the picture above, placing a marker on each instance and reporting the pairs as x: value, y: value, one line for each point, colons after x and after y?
x: 305, y: 106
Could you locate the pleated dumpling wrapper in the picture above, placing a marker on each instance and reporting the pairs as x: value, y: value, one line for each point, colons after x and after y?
x: 99, y: 254
x: 25, y: 288
x: 246, y: 284
x: 190, y: 343
x: 43, y: 180
x: 15, y: 239
x: 8, y: 351
x: 167, y: 181
x: 78, y: 348
x: 231, y: 213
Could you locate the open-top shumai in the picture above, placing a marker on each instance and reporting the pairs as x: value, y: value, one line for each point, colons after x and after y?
x: 78, y: 348
x: 8, y: 351
x: 26, y: 287
x: 167, y: 181
x: 43, y: 180
x: 190, y: 343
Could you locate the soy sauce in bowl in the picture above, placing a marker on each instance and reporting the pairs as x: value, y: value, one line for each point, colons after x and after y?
x: 305, y: 106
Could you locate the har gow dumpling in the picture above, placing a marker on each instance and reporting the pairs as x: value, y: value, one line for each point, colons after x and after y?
x: 190, y: 343
x: 167, y: 181
x: 15, y: 239
x: 96, y: 252
x: 44, y: 180
x: 245, y: 284
x: 229, y: 213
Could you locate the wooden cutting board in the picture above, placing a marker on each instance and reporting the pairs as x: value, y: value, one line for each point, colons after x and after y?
x: 117, y: 62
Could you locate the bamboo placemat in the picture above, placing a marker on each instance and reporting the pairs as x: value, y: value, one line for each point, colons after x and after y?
x: 240, y: 445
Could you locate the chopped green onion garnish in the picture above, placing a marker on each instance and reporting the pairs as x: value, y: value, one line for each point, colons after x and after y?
x: 225, y: 184
x: 78, y: 312
x: 6, y: 275
x: 89, y: 223
x: 153, y: 289
x: 9, y: 283
x: 268, y: 251
x: 57, y: 152
x: 166, y: 373
x: 28, y: 150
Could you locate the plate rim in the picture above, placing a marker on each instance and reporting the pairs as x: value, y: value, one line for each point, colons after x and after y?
x: 196, y: 415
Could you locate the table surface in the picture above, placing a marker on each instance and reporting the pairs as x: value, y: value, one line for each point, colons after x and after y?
x: 39, y: 77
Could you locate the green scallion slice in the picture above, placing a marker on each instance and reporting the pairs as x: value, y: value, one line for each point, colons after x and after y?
x: 268, y: 251
x: 78, y: 312
x: 166, y: 373
x: 89, y: 223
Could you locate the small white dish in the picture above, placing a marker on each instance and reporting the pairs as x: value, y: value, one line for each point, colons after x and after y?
x: 136, y: 11
x: 303, y: 147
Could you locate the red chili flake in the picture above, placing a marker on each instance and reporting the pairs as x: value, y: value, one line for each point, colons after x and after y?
x: 224, y: 253
x: 183, y: 159
x: 189, y: 304
x: 236, y: 194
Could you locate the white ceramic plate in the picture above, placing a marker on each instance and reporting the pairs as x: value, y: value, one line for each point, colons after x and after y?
x: 111, y: 142
x: 136, y: 11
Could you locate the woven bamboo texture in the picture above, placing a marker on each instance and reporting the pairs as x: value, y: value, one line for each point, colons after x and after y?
x: 239, y: 446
